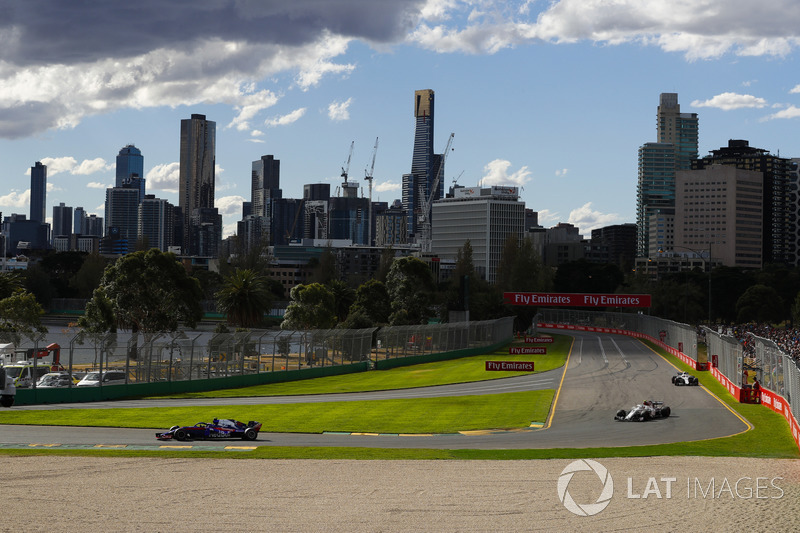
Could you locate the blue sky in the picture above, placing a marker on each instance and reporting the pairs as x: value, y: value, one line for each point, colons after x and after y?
x: 555, y: 97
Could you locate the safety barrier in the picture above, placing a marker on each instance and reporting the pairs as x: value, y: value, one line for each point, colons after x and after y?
x: 778, y: 374
x: 222, y: 360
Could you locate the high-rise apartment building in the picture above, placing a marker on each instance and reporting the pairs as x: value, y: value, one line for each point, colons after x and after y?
x: 155, y: 222
x: 777, y: 175
x: 197, y: 175
x: 676, y: 146
x: 38, y: 192
x: 424, y: 163
x: 79, y: 221
x: 62, y: 220
x: 130, y: 169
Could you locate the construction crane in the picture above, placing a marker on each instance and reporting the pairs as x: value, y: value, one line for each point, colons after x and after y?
x: 346, y: 167
x: 425, y: 216
x: 368, y: 176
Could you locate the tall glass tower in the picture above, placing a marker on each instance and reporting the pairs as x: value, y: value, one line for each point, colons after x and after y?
x: 424, y: 163
x: 38, y: 191
x: 196, y: 181
x: 130, y: 169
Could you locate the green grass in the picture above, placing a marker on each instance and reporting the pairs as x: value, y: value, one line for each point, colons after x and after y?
x: 770, y: 438
x: 464, y: 370
x: 427, y: 415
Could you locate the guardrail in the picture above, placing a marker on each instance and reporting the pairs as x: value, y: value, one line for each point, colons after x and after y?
x: 731, y: 363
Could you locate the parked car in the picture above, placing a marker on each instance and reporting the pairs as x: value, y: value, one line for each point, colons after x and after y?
x: 24, y: 373
x: 57, y: 379
x: 109, y: 377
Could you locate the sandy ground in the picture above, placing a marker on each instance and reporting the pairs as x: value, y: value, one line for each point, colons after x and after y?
x: 649, y: 494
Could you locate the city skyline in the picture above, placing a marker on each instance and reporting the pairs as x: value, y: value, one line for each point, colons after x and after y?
x: 553, y: 98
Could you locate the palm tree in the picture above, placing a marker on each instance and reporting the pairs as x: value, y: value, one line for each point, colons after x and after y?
x: 244, y: 297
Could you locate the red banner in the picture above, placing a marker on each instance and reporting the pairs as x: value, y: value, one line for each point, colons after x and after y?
x: 514, y: 366
x: 548, y: 299
x: 539, y: 340
x: 526, y: 350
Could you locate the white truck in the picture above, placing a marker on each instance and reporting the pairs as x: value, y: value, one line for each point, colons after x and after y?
x: 7, y: 388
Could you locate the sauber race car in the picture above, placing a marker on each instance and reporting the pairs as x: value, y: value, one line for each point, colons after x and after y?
x: 684, y: 378
x: 644, y: 411
x: 218, y: 429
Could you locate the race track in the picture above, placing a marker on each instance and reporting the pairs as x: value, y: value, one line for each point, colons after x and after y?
x: 604, y: 373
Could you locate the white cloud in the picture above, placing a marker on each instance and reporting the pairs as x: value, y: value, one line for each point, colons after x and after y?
x: 561, y: 172
x: 730, y: 101
x: 90, y: 166
x: 548, y: 217
x: 229, y: 205
x: 789, y: 112
x: 57, y: 165
x: 585, y: 219
x: 249, y: 106
x: 340, y: 110
x: 16, y: 199
x: 496, y: 173
x: 98, y: 185
x: 285, y: 120
x: 386, y: 186
x: 164, y: 177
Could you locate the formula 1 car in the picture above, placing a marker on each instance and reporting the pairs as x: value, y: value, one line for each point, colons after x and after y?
x: 684, y: 378
x: 644, y: 411
x: 218, y: 429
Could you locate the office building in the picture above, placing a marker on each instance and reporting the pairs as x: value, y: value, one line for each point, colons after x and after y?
x: 197, y: 174
x: 391, y: 225
x: 620, y: 242
x: 719, y: 215
x: 79, y: 221
x: 130, y: 169
x: 122, y: 214
x: 484, y: 217
x: 93, y: 226
x: 38, y: 192
x: 676, y: 146
x: 265, y: 178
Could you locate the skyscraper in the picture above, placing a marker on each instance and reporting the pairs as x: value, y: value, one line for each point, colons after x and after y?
x: 196, y: 181
x: 265, y: 178
x: 155, y: 222
x: 130, y: 169
x: 79, y: 221
x: 38, y: 192
x: 677, y: 145
x: 122, y: 214
x: 424, y: 163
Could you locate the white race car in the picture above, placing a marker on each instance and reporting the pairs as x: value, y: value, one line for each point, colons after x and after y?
x: 647, y: 410
x: 684, y: 378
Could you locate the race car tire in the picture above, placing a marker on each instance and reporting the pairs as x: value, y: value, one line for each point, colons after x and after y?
x: 7, y: 400
x: 621, y: 413
x: 665, y: 411
x: 250, y: 434
x: 180, y: 434
x: 646, y: 416
x: 674, y: 380
x: 695, y: 382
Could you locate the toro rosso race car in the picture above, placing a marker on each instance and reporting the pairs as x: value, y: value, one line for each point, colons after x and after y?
x: 218, y: 429
x: 644, y: 411
x: 684, y: 378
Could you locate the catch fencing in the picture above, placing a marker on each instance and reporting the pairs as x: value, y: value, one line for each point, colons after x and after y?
x: 190, y: 355
x: 735, y: 364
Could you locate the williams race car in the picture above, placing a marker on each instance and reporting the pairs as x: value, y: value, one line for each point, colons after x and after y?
x: 684, y: 378
x: 218, y: 429
x: 642, y: 412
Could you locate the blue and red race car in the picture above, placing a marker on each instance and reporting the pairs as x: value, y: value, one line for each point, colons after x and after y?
x: 218, y: 429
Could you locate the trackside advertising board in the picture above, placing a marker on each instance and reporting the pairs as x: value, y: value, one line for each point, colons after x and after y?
x: 527, y: 350
x: 518, y: 366
x: 549, y: 299
x: 538, y: 340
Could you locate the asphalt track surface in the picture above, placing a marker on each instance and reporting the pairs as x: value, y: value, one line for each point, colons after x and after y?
x: 604, y: 373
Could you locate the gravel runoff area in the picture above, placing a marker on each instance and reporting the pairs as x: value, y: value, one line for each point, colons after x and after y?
x: 649, y: 494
